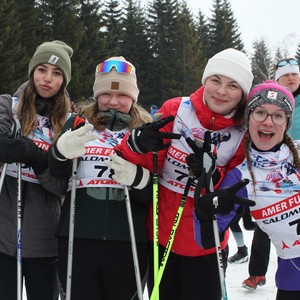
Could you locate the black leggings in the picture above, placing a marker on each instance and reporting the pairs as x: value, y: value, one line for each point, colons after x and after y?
x: 186, y: 277
x: 287, y: 295
x: 260, y: 253
x: 102, y: 270
x: 39, y: 275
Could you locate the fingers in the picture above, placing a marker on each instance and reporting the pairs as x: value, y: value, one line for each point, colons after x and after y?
x: 236, y: 187
x: 207, y: 142
x: 162, y: 122
x: 168, y: 135
x: 83, y: 130
x: 196, y: 149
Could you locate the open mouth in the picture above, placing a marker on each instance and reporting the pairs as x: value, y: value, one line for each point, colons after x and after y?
x: 265, y: 135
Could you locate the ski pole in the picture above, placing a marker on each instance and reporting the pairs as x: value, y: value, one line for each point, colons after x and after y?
x: 71, y: 229
x: 133, y: 245
x: 172, y: 236
x: 19, y: 234
x: 218, y: 250
x: 155, y: 224
x: 207, y: 165
x: 4, y: 167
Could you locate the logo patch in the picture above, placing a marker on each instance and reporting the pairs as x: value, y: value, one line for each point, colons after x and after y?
x: 272, y: 95
x: 53, y: 60
x: 115, y: 85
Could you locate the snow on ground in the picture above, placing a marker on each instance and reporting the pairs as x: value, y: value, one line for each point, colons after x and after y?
x: 236, y: 273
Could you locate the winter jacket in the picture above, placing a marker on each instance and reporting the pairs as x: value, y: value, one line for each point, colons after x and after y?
x: 100, y: 212
x: 169, y: 200
x: 41, y: 202
x: 294, y: 130
x: 277, y: 207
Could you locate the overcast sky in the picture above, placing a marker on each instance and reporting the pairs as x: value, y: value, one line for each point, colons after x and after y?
x: 277, y: 21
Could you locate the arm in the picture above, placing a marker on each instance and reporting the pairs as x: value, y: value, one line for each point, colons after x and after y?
x: 227, y: 203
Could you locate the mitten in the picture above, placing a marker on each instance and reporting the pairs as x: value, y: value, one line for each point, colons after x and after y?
x: 71, y: 144
x: 148, y: 137
x: 127, y: 173
x: 221, y: 201
x: 23, y: 150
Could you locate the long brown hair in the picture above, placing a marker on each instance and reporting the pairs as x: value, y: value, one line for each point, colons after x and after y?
x: 26, y: 111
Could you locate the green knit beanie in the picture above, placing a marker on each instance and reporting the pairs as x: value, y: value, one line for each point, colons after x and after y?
x: 55, y: 53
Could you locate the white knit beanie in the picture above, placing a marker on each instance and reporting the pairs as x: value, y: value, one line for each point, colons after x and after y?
x: 231, y: 63
x: 287, y: 69
x: 113, y: 81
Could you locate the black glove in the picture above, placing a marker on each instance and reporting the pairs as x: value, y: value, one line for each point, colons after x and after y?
x: 148, y: 137
x: 221, y: 201
x: 23, y: 150
x: 202, y: 157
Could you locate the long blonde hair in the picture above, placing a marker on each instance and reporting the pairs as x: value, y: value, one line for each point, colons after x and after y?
x: 26, y: 111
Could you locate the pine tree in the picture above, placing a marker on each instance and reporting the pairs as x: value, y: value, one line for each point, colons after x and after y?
x: 135, y: 48
x: 162, y: 30
x: 223, y: 28
x: 13, y: 61
x: 112, y: 30
x: 297, y: 56
x: 189, y: 51
x: 261, y: 62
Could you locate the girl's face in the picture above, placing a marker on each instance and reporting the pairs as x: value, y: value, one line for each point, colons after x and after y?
x: 48, y: 80
x: 119, y: 102
x: 222, y: 94
x: 266, y: 134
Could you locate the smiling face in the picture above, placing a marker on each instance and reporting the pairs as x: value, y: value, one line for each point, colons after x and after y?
x: 222, y: 94
x: 265, y: 134
x: 48, y: 80
x: 119, y: 102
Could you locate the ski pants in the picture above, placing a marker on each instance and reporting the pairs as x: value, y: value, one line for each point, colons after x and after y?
x: 102, y: 270
x: 260, y: 253
x: 39, y: 275
x: 188, y: 278
x: 287, y: 295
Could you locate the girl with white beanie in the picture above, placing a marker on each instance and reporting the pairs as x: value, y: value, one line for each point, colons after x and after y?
x: 218, y: 106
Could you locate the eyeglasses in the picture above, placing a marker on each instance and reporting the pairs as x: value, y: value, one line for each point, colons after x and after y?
x: 120, y: 66
x: 278, y: 118
x: 284, y: 62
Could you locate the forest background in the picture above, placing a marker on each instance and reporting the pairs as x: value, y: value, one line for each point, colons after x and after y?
x: 167, y: 42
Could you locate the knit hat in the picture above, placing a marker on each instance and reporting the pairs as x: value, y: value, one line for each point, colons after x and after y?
x: 270, y: 92
x: 113, y: 79
x: 288, y: 68
x: 231, y: 63
x: 56, y: 53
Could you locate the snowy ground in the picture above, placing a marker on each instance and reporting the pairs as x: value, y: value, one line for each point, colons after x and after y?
x: 236, y: 273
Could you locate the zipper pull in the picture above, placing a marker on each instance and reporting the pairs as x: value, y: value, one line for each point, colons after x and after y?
x: 212, y: 121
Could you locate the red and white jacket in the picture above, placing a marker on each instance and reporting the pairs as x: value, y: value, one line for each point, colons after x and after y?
x: 196, y: 117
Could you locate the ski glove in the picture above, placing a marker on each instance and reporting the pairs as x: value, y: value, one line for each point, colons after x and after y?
x: 71, y: 144
x: 221, y: 201
x: 202, y: 157
x: 23, y: 150
x: 127, y: 173
x: 148, y: 137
